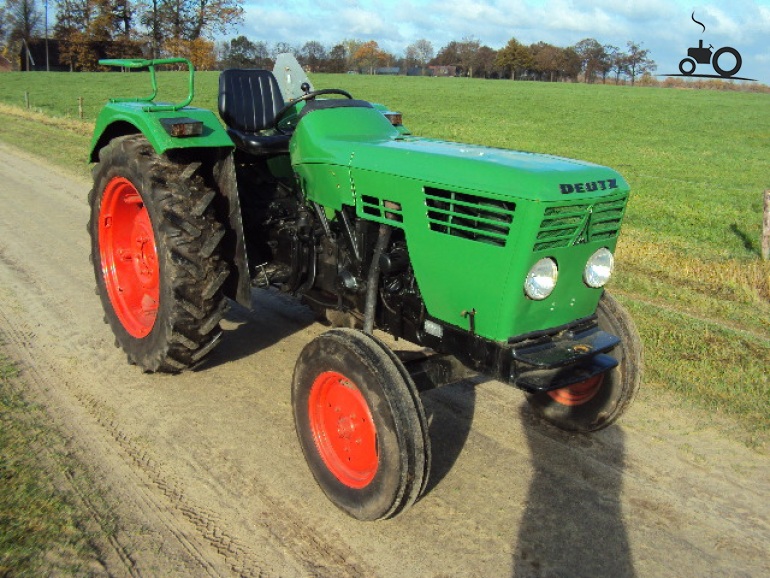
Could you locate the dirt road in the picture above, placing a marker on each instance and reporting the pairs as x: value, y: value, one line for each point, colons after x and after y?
x: 205, y: 477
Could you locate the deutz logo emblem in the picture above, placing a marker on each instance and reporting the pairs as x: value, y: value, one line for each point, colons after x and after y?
x: 584, y: 232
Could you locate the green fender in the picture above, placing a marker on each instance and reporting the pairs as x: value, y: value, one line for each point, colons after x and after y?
x: 121, y: 118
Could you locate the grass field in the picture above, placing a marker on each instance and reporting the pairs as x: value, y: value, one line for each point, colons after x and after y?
x: 40, y: 529
x: 689, y: 266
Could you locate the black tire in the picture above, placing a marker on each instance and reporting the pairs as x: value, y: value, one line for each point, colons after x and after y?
x: 178, y: 270
x: 360, y: 424
x: 734, y: 70
x: 690, y: 66
x: 603, y: 404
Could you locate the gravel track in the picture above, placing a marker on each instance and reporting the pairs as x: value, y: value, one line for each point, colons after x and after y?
x: 204, y: 475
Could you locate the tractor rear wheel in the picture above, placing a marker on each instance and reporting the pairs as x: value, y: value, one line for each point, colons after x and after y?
x: 597, y: 402
x: 155, y: 248
x: 361, y: 424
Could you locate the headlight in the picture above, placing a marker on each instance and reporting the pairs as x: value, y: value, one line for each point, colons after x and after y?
x: 541, y: 279
x: 599, y: 268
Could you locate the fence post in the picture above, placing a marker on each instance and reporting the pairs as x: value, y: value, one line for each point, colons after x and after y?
x: 766, y: 228
x: 80, y: 107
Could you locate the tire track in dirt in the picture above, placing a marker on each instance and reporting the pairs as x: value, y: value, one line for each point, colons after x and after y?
x: 43, y: 353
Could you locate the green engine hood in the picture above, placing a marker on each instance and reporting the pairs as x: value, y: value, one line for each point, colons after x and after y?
x: 370, y: 143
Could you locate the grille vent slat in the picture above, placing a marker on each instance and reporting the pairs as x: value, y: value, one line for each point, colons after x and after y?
x: 469, y: 216
x: 561, y: 225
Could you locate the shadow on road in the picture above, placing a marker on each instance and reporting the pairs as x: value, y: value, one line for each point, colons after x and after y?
x: 573, y: 522
x: 273, y: 317
x: 449, y: 410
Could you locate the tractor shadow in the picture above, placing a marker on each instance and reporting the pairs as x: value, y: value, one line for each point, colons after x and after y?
x: 449, y: 410
x: 573, y: 521
x: 273, y: 316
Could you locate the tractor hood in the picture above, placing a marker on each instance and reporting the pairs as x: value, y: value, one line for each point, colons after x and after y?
x: 504, y: 172
x: 363, y: 140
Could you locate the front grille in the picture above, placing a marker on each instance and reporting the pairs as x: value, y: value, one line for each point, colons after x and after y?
x: 567, y: 225
x: 469, y: 216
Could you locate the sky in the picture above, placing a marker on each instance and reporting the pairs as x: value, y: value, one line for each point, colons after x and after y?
x: 664, y: 27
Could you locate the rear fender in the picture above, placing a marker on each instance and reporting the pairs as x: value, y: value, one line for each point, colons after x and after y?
x: 118, y: 119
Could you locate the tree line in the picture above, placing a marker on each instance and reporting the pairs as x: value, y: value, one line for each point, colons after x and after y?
x: 86, y: 30
x: 588, y: 60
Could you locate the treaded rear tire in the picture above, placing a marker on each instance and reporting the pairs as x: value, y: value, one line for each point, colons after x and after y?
x: 190, y: 271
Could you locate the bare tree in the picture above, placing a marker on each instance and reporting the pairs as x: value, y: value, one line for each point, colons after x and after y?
x: 420, y: 53
x: 637, y: 61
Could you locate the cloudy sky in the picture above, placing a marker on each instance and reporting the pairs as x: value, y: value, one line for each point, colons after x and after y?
x: 663, y: 26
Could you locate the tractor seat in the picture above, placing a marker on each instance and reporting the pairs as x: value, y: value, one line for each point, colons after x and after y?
x: 248, y: 102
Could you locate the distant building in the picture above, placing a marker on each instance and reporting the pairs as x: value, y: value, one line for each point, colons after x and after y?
x: 35, y: 58
x: 388, y: 70
x: 443, y: 70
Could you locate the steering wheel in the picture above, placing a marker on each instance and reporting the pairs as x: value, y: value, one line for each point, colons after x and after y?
x: 305, y: 97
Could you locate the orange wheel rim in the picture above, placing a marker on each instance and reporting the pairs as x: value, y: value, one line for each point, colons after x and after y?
x: 578, y: 393
x: 343, y: 429
x: 129, y: 257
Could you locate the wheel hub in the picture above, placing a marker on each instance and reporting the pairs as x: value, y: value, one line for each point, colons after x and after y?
x: 343, y: 429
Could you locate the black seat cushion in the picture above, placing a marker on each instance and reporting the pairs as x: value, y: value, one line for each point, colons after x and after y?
x: 248, y: 102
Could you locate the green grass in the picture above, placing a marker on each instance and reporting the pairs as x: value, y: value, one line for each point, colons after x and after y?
x: 40, y: 533
x: 689, y: 262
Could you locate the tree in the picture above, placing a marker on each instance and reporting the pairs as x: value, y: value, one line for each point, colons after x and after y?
x: 637, y: 61
x: 369, y: 56
x: 448, y: 55
x: 593, y: 57
x: 467, y: 51
x: 80, y: 24
x: 545, y: 59
x: 281, y: 48
x: 569, y: 64
x: 514, y: 58
x: 485, y: 62
x: 619, y: 63
x: 3, y: 25
x: 351, y: 46
x: 187, y: 19
x: 22, y: 20
x: 337, y: 61
x: 199, y: 51
x: 240, y: 52
x: 313, y: 56
x: 419, y: 53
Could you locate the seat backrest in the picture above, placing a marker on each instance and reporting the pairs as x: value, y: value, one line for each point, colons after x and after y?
x: 249, y: 98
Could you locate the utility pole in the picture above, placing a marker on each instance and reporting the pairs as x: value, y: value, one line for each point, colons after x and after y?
x: 47, y: 65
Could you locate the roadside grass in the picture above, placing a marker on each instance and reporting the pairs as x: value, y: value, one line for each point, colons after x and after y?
x: 40, y: 529
x: 689, y: 264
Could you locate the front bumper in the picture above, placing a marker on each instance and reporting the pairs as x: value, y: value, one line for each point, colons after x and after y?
x: 541, y: 361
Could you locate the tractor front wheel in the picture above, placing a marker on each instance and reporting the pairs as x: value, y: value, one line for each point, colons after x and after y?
x: 361, y: 424
x: 597, y: 402
x: 155, y: 247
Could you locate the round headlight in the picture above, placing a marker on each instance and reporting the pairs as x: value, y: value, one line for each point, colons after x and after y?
x: 599, y: 268
x: 541, y: 279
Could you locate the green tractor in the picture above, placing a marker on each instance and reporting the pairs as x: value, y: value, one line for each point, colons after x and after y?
x: 489, y: 260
